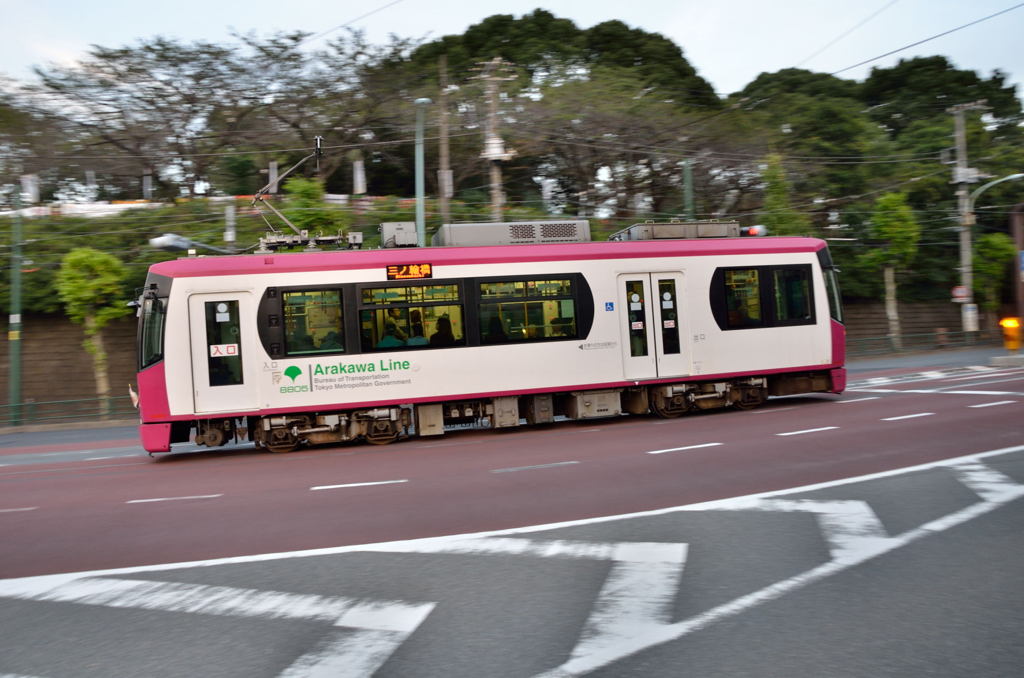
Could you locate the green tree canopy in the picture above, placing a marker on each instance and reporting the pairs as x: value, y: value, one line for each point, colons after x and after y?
x: 778, y: 216
x: 925, y: 87
x: 90, y: 284
x: 993, y: 255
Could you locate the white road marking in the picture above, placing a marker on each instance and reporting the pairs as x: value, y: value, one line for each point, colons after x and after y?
x: 994, y: 373
x: 771, y: 410
x: 680, y: 449
x: 931, y: 390
x: 534, y: 468
x: 909, y: 416
x: 808, y: 430
x: 341, y: 487
x: 100, y: 458
x: 18, y: 510
x: 380, y: 626
x: 855, y: 536
x: 857, y: 400
x: 156, y: 499
x: 998, y: 402
x: 637, y: 597
x: 933, y: 374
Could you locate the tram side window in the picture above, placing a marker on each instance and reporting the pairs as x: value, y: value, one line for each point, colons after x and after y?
x: 313, y: 322
x: 223, y: 343
x: 792, y: 295
x: 151, y: 346
x: 527, y: 310
x: 743, y: 298
x: 411, y: 316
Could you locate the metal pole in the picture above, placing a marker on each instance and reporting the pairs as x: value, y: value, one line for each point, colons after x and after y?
x: 421, y: 229
x: 1017, y: 229
x: 14, y: 324
x: 688, y: 188
x: 444, y: 173
x: 970, y: 315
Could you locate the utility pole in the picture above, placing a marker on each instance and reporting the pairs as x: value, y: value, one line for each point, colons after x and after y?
x: 494, y: 148
x: 421, y: 228
x: 963, y: 176
x: 444, y: 174
x: 14, y: 321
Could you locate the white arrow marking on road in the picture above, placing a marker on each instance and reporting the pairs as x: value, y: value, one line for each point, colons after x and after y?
x: 854, y: 534
x: 636, y: 598
x: 851, y: 527
x: 374, y: 629
x: 986, y: 482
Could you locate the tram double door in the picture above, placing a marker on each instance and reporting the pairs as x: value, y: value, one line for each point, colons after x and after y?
x: 223, y: 355
x: 651, y: 323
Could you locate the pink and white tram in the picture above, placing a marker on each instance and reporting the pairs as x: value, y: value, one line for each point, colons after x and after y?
x: 295, y: 349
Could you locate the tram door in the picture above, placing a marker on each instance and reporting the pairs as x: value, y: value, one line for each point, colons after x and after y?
x: 223, y: 357
x: 651, y: 325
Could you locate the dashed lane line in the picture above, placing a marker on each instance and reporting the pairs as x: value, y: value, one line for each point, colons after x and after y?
x: 998, y: 402
x: 858, y: 400
x: 534, y: 468
x: 909, y: 416
x: 19, y: 510
x: 158, y: 499
x: 681, y: 449
x: 808, y: 430
x: 348, y: 485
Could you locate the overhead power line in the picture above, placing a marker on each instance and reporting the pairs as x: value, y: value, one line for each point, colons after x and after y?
x: 851, y: 30
x: 348, y: 23
x: 921, y: 42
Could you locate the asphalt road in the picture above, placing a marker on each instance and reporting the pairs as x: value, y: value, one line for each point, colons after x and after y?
x: 791, y: 540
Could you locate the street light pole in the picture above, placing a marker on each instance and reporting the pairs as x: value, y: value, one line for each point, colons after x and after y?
x: 14, y: 322
x: 969, y: 312
x: 421, y: 229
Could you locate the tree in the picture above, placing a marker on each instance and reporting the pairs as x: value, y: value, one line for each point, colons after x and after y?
x: 778, y: 216
x: 897, y: 232
x: 993, y: 255
x: 307, y: 209
x: 162, y: 108
x: 89, y: 284
x: 925, y: 87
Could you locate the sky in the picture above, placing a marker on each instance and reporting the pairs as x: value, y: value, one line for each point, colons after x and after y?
x: 729, y: 42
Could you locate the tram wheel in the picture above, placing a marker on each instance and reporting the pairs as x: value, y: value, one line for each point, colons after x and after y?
x: 382, y: 432
x: 751, y: 399
x: 281, y: 440
x: 671, y: 409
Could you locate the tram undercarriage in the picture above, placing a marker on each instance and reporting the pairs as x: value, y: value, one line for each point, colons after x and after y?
x: 383, y: 425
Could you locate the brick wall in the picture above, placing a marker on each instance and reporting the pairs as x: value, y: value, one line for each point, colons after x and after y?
x: 55, y: 366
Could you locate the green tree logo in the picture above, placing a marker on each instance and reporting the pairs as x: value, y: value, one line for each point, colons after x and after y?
x: 292, y: 372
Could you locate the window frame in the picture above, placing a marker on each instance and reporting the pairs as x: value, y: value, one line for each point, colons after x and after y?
x: 286, y: 352
x: 361, y: 306
x: 480, y: 300
x: 766, y: 295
